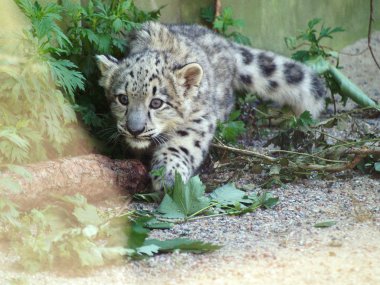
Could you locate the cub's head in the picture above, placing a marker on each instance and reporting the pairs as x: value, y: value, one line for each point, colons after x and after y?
x: 150, y: 98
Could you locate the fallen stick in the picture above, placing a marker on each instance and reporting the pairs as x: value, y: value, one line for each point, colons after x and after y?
x: 94, y: 176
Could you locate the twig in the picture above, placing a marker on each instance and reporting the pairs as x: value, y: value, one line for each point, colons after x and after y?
x: 330, y: 136
x: 334, y: 168
x: 304, y: 154
x: 371, y: 19
x: 218, y: 8
x: 245, y: 152
x: 350, y: 145
x: 364, y: 151
x: 358, y: 152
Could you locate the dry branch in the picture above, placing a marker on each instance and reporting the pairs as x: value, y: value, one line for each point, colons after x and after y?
x: 218, y: 8
x: 358, y: 152
x: 371, y: 19
x: 95, y: 176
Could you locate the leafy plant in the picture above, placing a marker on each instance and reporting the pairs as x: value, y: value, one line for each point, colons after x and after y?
x: 312, y: 38
x: 317, y: 55
x: 75, y: 234
x: 304, y: 121
x: 96, y: 28
x: 223, y: 23
x: 184, y: 200
x: 187, y: 201
x: 230, y: 130
x: 34, y: 112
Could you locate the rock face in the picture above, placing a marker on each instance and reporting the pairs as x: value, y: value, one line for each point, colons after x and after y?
x: 95, y: 176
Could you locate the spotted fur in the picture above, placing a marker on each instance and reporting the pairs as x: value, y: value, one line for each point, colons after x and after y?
x: 177, y: 81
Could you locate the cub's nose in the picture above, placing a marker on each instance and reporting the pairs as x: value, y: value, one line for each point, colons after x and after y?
x: 135, y: 132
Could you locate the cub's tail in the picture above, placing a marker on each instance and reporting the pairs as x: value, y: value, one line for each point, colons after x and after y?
x: 280, y: 79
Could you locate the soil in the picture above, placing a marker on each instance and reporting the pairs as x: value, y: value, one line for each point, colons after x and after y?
x: 276, y: 246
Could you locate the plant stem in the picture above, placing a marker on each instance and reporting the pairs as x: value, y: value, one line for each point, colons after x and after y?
x: 245, y: 152
x: 201, y: 210
x: 348, y: 88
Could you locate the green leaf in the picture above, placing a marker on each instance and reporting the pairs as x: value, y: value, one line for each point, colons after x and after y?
x: 20, y: 170
x: 87, y: 215
x: 156, y: 224
x: 239, y: 38
x: 89, y: 254
x: 170, y: 209
x: 207, y: 14
x: 137, y: 233
x: 117, y: 25
x: 291, y: 42
x: 148, y: 197
x: 230, y: 130
x: 115, y: 252
x: 228, y: 195
x: 186, y: 198
x: 313, y: 22
x: 325, y: 224
x: 306, y: 119
x: 66, y: 76
x: 149, y: 250
x: 182, y: 244
x: 234, y: 115
x: 8, y: 212
x: 10, y: 185
x: 218, y: 25
x: 377, y: 166
x: 275, y: 170
x: 268, y: 200
x: 318, y: 64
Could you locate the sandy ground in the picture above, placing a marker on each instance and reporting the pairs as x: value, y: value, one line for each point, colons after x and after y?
x: 277, y: 246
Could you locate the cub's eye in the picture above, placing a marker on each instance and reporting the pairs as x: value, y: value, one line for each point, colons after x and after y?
x: 123, y: 99
x: 156, y: 103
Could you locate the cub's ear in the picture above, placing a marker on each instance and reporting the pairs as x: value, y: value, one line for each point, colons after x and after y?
x: 105, y: 63
x: 190, y: 75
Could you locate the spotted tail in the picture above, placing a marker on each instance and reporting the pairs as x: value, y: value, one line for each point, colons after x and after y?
x: 279, y: 79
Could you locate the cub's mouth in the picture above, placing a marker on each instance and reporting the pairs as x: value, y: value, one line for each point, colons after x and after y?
x: 139, y: 143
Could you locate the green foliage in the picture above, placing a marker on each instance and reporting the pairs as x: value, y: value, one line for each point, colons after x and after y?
x: 75, y: 234
x: 370, y: 164
x: 99, y: 28
x: 184, y: 200
x: 312, y: 38
x: 317, y: 56
x: 227, y: 195
x: 35, y: 115
x: 303, y: 122
x: 230, y: 130
x: 223, y: 23
x: 51, y: 41
x: 96, y: 28
x: 182, y: 244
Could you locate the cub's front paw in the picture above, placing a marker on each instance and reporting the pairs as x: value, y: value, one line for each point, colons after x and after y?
x: 161, y: 181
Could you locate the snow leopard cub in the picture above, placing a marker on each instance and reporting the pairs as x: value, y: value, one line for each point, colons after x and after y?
x: 177, y: 81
